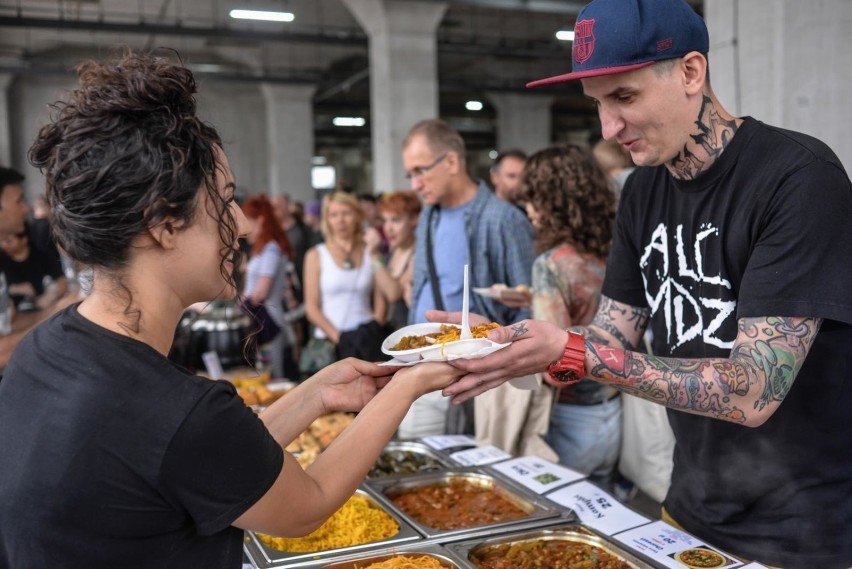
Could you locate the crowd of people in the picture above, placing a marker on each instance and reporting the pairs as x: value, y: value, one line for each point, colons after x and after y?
x: 691, y: 260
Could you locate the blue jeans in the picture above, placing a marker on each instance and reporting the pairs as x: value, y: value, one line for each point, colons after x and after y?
x: 587, y: 438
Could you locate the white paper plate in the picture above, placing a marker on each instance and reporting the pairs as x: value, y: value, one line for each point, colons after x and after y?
x: 467, y: 349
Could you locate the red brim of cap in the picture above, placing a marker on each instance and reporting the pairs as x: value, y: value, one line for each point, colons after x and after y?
x: 589, y: 73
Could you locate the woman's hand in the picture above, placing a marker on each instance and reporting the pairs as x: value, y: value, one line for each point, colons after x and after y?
x: 350, y: 384
x: 428, y: 376
x: 373, y: 241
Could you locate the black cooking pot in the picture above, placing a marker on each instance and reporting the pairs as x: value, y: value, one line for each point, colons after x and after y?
x: 221, y: 327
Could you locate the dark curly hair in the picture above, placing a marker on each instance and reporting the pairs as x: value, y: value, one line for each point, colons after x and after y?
x: 572, y: 198
x: 123, y: 152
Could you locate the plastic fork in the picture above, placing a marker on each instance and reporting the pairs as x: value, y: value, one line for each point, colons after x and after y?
x: 465, y: 325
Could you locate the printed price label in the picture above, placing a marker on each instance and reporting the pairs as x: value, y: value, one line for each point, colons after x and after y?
x: 479, y: 456
x: 597, y: 509
x: 673, y: 548
x: 441, y: 442
x: 537, y: 474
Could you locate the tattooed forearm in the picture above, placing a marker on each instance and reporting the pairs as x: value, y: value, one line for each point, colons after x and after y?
x: 744, y: 388
x: 674, y: 382
x: 713, y: 135
x: 610, y: 311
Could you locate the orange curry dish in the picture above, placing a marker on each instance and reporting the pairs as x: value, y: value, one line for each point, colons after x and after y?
x: 448, y: 333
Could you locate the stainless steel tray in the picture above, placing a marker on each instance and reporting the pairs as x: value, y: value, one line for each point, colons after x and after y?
x: 416, y: 448
x: 446, y: 558
x: 539, y: 509
x: 262, y: 556
x: 572, y: 532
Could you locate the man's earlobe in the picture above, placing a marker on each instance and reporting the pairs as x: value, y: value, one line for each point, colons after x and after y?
x: 694, y: 68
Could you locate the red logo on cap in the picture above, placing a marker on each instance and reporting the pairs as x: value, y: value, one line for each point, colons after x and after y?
x: 584, y: 40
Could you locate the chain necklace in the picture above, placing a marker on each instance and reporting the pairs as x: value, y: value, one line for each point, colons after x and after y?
x: 348, y: 264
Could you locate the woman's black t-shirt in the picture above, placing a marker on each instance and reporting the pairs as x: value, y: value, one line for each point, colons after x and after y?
x: 113, y: 456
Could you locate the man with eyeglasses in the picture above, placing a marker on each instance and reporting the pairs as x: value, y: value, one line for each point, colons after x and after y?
x: 463, y: 222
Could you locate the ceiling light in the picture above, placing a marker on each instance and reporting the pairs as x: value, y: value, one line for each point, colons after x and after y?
x: 565, y: 35
x: 493, y: 154
x: 473, y: 105
x: 348, y: 121
x: 262, y: 15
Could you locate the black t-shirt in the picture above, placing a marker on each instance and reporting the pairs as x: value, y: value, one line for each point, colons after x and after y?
x: 113, y: 456
x: 766, y: 231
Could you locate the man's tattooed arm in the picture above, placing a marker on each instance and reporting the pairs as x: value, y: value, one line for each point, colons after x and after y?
x: 745, y: 388
x: 616, y: 324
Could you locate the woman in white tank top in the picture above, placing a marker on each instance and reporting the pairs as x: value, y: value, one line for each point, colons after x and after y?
x: 339, y: 291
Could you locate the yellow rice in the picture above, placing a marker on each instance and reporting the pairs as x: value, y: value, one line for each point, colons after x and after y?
x: 357, y: 521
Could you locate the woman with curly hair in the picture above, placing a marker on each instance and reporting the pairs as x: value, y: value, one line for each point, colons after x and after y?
x: 113, y: 455
x: 572, y: 210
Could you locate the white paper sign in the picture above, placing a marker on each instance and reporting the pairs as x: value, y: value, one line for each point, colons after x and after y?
x: 213, y: 365
x: 666, y: 545
x: 441, y: 442
x: 537, y: 474
x: 480, y: 455
x: 597, y: 509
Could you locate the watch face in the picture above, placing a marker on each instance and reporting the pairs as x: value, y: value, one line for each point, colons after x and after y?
x: 566, y: 376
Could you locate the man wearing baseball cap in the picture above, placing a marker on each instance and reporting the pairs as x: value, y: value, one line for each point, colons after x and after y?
x: 733, y: 245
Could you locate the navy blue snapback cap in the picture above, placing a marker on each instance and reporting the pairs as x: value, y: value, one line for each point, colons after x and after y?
x: 614, y: 36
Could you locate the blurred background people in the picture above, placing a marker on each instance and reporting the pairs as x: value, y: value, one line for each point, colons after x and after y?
x: 506, y: 174
x: 399, y: 212
x: 298, y: 234
x: 572, y: 211
x: 312, y: 217
x: 345, y: 309
x: 35, y: 277
x: 266, y: 276
x: 40, y: 208
x: 615, y: 162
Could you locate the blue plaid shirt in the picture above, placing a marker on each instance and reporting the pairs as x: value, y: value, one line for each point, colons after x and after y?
x: 500, y: 250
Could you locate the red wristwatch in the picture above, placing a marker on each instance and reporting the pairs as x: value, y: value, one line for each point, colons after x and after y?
x: 572, y: 367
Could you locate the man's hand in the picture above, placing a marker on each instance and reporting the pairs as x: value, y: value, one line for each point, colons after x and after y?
x: 535, y: 345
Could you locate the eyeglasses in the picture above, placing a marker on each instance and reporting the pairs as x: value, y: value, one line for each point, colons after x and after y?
x: 418, y: 171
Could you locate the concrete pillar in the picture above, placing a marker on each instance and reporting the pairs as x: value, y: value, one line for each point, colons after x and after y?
x: 523, y: 121
x: 782, y: 62
x: 290, y: 133
x: 403, y: 77
x: 5, y: 120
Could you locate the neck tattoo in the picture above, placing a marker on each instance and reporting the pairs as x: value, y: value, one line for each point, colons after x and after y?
x: 713, y: 136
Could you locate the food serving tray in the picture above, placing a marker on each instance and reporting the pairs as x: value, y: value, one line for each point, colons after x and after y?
x: 539, y: 510
x: 446, y: 558
x: 419, y: 452
x: 464, y: 550
x: 262, y: 556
